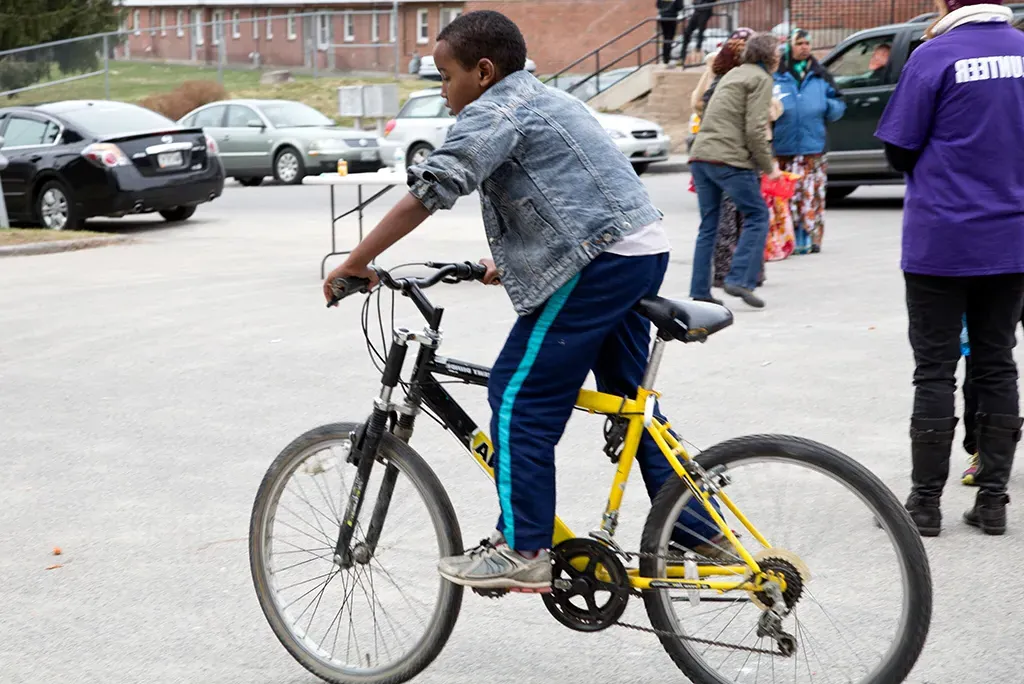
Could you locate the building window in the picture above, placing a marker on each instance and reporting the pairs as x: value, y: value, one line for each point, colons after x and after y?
x: 393, y: 27
x: 270, y: 24
x: 291, y: 25
x: 350, y: 29
x: 323, y: 30
x: 152, y: 22
x: 236, y: 24
x: 218, y: 26
x: 180, y: 17
x: 422, y: 27
x: 255, y: 26
x: 374, y: 28
x: 448, y: 15
x: 163, y: 22
x: 197, y: 26
x: 137, y: 21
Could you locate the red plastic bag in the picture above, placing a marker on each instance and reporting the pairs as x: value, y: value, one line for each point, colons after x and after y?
x: 782, y: 188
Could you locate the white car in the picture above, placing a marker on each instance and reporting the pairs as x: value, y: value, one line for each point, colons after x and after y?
x: 428, y: 70
x: 422, y: 124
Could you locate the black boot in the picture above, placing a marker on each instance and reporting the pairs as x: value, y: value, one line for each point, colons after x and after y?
x: 997, y: 442
x: 931, y: 442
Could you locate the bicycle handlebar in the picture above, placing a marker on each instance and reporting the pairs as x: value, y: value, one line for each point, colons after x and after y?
x: 444, y: 272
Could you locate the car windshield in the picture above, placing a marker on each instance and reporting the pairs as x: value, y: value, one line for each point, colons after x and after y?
x: 293, y: 114
x: 424, y: 107
x: 104, y: 120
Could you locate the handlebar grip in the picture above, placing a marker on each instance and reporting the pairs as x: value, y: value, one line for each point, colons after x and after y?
x: 343, y: 287
x: 477, y: 271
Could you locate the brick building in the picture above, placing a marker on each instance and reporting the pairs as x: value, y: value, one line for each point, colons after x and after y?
x: 356, y: 34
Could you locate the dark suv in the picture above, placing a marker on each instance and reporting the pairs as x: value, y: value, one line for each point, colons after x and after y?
x: 855, y: 156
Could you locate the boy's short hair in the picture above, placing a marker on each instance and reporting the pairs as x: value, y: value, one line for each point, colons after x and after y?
x: 486, y: 34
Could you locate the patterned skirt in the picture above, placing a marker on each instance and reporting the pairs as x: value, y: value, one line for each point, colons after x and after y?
x: 730, y: 226
x: 808, y: 203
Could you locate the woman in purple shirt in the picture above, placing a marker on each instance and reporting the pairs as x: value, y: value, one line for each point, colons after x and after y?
x: 954, y: 126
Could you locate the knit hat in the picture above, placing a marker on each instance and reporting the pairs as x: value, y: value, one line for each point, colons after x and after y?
x: 954, y: 5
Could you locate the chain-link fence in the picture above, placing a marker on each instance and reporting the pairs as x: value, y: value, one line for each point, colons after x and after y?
x: 829, y: 21
x: 78, y: 67
x: 159, y: 48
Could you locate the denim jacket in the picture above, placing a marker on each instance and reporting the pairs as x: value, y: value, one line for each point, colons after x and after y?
x: 554, y: 189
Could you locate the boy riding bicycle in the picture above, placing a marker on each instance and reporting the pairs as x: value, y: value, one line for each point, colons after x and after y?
x: 575, y: 242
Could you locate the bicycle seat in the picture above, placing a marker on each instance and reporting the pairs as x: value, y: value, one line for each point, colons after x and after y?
x: 684, y: 321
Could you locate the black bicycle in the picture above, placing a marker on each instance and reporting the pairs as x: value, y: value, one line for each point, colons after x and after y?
x: 349, y: 523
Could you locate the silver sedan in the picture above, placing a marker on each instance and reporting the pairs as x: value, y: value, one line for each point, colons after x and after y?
x: 284, y: 139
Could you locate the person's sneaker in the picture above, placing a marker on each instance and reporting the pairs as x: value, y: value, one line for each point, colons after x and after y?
x: 746, y: 295
x: 968, y: 477
x: 815, y: 249
x: 493, y: 565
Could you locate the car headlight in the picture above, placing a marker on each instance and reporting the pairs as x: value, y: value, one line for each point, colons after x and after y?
x: 326, y: 144
x: 614, y: 134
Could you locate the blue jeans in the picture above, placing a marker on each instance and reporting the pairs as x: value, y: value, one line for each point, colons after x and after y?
x: 744, y: 188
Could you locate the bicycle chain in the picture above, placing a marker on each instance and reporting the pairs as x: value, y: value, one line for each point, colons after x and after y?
x: 676, y: 635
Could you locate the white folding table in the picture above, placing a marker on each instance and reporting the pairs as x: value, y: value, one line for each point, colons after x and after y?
x: 385, y: 180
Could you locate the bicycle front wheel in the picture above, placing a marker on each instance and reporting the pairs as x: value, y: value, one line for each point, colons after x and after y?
x: 860, y: 595
x: 386, y: 616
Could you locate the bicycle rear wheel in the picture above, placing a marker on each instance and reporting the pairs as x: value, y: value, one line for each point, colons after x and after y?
x: 385, y: 618
x: 861, y: 596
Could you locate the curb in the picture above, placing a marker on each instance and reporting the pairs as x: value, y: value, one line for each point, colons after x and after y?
x: 675, y: 164
x: 55, y: 246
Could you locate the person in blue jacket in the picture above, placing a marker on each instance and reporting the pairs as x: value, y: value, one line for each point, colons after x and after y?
x: 811, y: 100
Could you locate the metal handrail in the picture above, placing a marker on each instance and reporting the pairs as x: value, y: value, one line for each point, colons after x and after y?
x: 649, y: 20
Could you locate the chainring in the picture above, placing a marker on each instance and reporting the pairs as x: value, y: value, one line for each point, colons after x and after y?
x: 588, y: 599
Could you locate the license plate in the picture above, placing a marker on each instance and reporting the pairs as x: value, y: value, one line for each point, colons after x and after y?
x: 653, y: 150
x: 169, y: 159
x: 368, y: 155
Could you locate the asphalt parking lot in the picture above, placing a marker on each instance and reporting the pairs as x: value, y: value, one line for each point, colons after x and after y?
x: 145, y: 388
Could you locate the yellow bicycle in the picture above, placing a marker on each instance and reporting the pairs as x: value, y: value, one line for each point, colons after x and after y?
x: 344, y: 564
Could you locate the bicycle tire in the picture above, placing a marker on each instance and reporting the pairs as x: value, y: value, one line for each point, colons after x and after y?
x: 903, y: 655
x: 445, y: 522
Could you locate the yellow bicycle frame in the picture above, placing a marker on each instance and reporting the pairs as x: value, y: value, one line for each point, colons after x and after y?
x: 634, y: 411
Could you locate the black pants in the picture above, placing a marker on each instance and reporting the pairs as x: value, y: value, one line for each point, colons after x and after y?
x: 698, y: 23
x: 935, y: 306
x: 668, y: 32
x: 971, y: 406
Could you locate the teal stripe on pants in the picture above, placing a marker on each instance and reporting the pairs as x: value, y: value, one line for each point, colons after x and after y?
x: 508, y: 400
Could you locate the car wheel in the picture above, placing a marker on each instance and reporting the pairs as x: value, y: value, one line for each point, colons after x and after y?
x: 176, y: 214
x: 835, y: 195
x: 251, y: 182
x: 55, y: 207
x: 418, y: 154
x: 288, y: 167
x: 641, y: 167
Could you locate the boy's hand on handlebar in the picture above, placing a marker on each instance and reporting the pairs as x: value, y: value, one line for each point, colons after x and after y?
x: 347, y: 270
x: 491, y: 277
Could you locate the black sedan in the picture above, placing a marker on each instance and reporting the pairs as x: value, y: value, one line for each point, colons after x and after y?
x: 69, y: 161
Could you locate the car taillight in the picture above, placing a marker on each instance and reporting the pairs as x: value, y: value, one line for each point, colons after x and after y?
x: 389, y: 127
x: 211, y: 146
x: 106, y: 154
